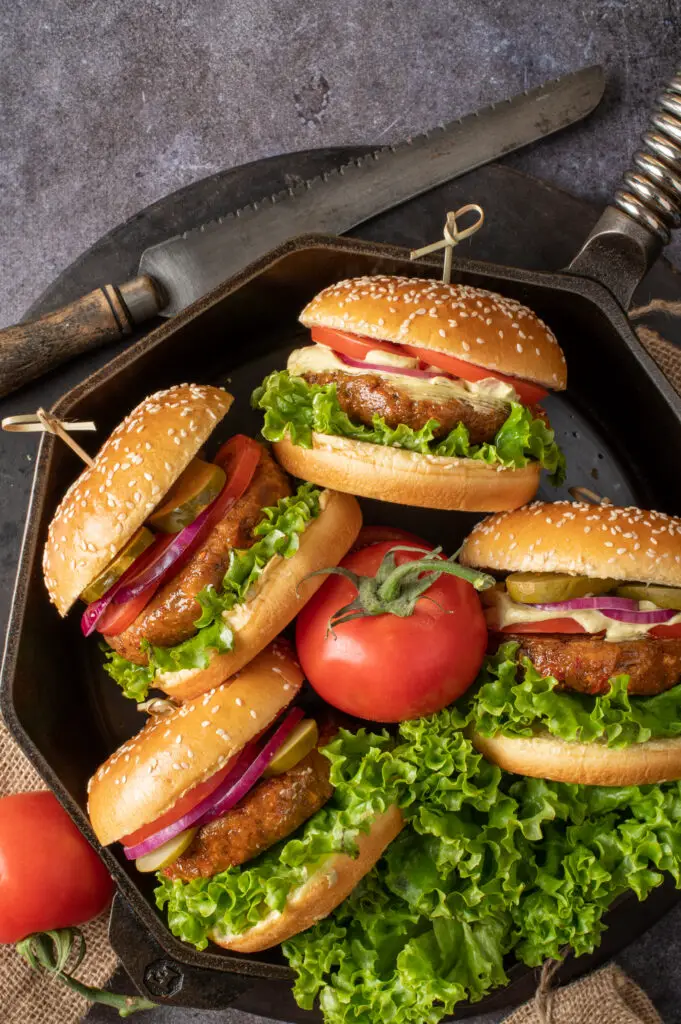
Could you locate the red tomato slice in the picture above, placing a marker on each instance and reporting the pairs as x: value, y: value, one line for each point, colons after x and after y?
x: 377, y: 534
x: 547, y: 626
x: 357, y: 347
x: 529, y: 393
x: 239, y: 458
x: 351, y: 344
x: 118, y: 617
x: 182, y: 806
x: 666, y: 631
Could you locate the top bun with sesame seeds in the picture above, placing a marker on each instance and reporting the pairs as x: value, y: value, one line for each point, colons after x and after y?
x: 183, y: 747
x: 132, y: 471
x: 474, y: 325
x: 601, y: 541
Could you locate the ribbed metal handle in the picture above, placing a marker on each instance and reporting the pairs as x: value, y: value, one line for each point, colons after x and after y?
x: 651, y: 192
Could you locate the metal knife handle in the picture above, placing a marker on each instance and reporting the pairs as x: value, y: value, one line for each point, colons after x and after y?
x: 631, y: 233
x: 108, y: 314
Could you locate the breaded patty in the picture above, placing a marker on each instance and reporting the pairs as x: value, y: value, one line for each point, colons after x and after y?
x: 586, y: 663
x: 169, y: 617
x: 361, y: 396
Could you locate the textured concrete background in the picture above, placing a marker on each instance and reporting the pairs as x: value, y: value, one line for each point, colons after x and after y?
x: 107, y: 106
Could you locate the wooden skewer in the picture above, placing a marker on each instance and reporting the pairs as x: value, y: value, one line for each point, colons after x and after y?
x: 45, y: 421
x: 452, y: 237
x: 586, y: 494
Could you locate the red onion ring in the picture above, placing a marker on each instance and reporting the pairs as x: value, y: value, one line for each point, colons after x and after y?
x: 234, y: 788
x: 643, y: 618
x: 226, y: 797
x: 599, y: 603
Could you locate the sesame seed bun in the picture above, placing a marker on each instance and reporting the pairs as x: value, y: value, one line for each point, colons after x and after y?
x: 585, y: 540
x: 477, y: 326
x: 323, y: 891
x: 176, y: 751
x: 132, y: 471
x: 277, y: 597
x: 407, y: 478
x: 593, y: 764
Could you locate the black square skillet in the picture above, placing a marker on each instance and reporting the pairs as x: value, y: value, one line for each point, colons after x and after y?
x: 619, y: 424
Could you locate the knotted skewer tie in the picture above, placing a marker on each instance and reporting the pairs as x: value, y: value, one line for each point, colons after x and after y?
x: 45, y: 422
x: 451, y: 237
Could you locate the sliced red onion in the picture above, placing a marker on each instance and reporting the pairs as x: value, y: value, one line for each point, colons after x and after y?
x: 406, y: 371
x: 94, y: 612
x: 191, y: 817
x: 643, y: 618
x: 165, y: 565
x: 601, y: 604
x: 234, y: 788
x: 226, y: 797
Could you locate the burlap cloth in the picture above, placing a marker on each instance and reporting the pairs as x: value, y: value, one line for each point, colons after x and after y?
x: 30, y: 998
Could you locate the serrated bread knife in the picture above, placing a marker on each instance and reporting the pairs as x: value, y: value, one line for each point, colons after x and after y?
x: 180, y: 270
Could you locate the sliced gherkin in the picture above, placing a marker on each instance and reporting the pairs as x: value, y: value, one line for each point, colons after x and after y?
x: 138, y: 543
x: 302, y: 740
x: 549, y: 587
x: 663, y: 597
x: 193, y: 491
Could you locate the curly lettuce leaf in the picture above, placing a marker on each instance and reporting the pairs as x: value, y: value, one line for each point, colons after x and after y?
x: 295, y: 408
x: 488, y: 864
x: 277, y: 533
x: 515, y: 699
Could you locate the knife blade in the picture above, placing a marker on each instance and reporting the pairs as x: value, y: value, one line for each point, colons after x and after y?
x: 190, y: 265
x: 180, y: 270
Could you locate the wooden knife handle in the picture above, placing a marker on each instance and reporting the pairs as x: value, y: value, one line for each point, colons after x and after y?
x: 110, y: 313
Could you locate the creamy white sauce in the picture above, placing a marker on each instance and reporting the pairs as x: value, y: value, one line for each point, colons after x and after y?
x: 501, y: 611
x: 487, y: 392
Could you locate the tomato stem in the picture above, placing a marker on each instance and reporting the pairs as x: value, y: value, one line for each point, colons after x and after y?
x: 52, y: 951
x: 395, y: 589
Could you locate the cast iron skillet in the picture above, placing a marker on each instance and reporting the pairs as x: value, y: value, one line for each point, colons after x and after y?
x: 618, y: 424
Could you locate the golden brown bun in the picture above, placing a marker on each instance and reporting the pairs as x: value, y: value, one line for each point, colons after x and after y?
x: 132, y: 471
x: 282, y: 593
x: 593, y: 764
x: 585, y: 540
x: 324, y: 891
x: 477, y: 326
x: 175, y: 751
x: 407, y: 478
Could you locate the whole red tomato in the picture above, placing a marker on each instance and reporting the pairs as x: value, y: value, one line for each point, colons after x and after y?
x: 387, y: 668
x: 50, y: 877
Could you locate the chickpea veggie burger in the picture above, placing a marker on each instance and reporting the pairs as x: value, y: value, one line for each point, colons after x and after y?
x: 204, y: 790
x: 585, y: 685
x: 188, y: 566
x: 418, y: 392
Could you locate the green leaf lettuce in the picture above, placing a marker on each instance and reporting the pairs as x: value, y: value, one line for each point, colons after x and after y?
x: 295, y: 408
x: 488, y: 864
x: 513, y: 698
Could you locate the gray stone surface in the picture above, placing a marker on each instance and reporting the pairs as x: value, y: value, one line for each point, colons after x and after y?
x: 105, y: 107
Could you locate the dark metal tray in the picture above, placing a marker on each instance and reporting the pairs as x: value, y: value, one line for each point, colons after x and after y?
x: 617, y: 425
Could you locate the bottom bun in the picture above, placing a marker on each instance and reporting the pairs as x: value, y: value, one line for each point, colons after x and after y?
x: 407, y: 478
x: 322, y: 893
x: 276, y: 598
x: 592, y: 764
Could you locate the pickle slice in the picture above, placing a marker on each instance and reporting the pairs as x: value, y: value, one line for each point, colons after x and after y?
x: 193, y: 491
x: 166, y: 854
x: 547, y: 587
x: 302, y: 740
x: 663, y: 597
x: 138, y: 543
